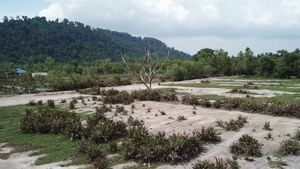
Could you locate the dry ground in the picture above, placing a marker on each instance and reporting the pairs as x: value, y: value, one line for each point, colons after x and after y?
x: 283, y: 128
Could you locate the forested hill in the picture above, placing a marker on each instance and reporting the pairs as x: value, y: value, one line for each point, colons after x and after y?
x: 21, y: 38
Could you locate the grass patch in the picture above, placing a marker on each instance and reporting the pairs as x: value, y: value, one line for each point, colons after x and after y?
x: 284, y: 98
x: 211, y: 97
x: 57, y: 147
x: 4, y: 156
x: 214, y: 85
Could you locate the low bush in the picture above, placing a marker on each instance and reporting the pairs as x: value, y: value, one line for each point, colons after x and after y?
x: 205, y: 103
x: 113, y: 146
x: 31, y: 103
x: 297, y: 135
x: 72, y: 105
x: 190, y: 99
x: 51, y: 103
x: 209, y: 134
x: 218, y: 164
x: 240, y: 91
x: 233, y: 124
x: 108, y: 130
x: 94, y: 153
x: 174, y: 149
x: 246, y: 145
x: 144, y: 95
x: 181, y: 118
x: 169, y: 97
x: 115, y: 97
x: 267, y: 126
x: 40, y: 102
x: 289, y: 147
x: 47, y: 120
x: 134, y: 122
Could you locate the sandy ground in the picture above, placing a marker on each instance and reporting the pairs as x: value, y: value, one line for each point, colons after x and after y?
x: 283, y: 128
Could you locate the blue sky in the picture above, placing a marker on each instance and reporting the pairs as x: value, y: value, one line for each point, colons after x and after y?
x: 187, y: 25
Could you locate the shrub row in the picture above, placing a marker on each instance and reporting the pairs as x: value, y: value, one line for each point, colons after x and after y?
x: 233, y: 124
x: 46, y: 120
x: 218, y: 164
x: 139, y: 145
x: 248, y: 104
x: 113, y: 96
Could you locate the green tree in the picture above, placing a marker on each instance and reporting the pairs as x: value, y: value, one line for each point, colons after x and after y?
x: 266, y: 65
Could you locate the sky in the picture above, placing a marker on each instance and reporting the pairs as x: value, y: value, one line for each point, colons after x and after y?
x: 187, y: 25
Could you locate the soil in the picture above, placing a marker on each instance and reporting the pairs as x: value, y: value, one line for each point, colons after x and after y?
x: 282, y: 127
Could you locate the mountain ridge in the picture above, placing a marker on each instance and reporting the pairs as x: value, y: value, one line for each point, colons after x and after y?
x: 65, y: 41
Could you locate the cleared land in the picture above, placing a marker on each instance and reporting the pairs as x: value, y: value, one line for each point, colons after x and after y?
x: 196, y: 117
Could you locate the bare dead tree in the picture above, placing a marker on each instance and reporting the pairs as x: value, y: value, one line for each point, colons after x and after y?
x: 148, y: 68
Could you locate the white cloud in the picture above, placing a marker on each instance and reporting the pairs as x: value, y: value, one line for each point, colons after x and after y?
x: 54, y: 11
x: 230, y: 19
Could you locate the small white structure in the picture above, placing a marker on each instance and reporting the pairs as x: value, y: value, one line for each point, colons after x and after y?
x: 39, y: 74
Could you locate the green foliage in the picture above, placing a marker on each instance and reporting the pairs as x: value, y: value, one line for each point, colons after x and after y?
x: 240, y: 91
x: 297, y: 136
x: 289, y: 147
x: 218, y: 164
x: 113, y: 146
x: 267, y: 126
x: 181, y: 118
x: 84, y: 43
x: 94, y: 153
x: 47, y: 121
x: 246, y: 145
x: 115, y: 97
x: 174, y: 149
x: 233, y: 125
x: 51, y: 103
x: 190, y: 99
x: 209, y: 134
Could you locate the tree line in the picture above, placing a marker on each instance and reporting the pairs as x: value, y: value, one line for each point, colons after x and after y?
x: 205, y: 63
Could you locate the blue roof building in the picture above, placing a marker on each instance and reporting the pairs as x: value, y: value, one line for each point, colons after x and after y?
x: 17, y: 70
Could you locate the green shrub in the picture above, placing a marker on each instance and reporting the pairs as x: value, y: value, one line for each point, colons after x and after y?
x: 144, y: 95
x: 181, y: 118
x: 174, y: 149
x: 246, y: 145
x: 31, y: 103
x: 209, y: 134
x: 51, y: 103
x: 113, y: 146
x: 40, y: 102
x: 190, y: 99
x: 218, y: 164
x: 115, y: 97
x: 170, y: 97
x: 205, y: 103
x: 94, y: 153
x: 232, y: 124
x: 47, y: 120
x: 289, y: 147
x: 163, y: 113
x: 108, y: 130
x: 267, y: 126
x: 72, y: 105
x: 297, y: 136
x: 134, y: 122
x: 241, y: 91
x: 217, y: 104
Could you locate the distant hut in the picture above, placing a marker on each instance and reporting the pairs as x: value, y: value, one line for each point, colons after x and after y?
x: 18, y: 71
x: 39, y: 74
